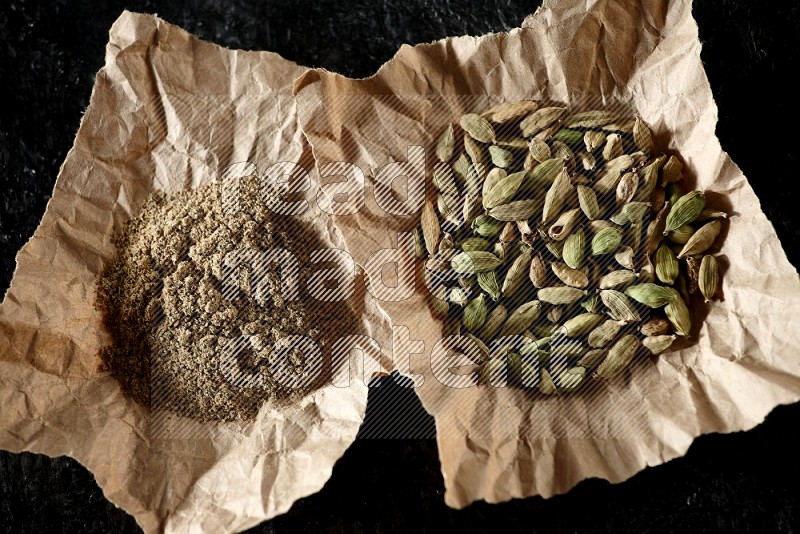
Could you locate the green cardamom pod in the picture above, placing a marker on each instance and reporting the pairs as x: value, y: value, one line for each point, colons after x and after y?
x: 603, y: 334
x: 517, y: 273
x: 571, y: 379
x: 581, y: 324
x: 619, y: 306
x: 503, y: 191
x: 495, y: 320
x: 574, y: 249
x: 501, y: 157
x: 606, y: 241
x: 475, y: 313
x: 658, y: 344
x: 522, y: 318
x: 519, y: 210
x: 475, y: 262
x: 652, y: 295
x: 619, y: 356
x: 617, y: 279
x: 486, y: 226
x: 685, y: 210
x: 478, y: 128
x: 667, y: 267
x: 708, y: 281
x: 678, y: 314
x: 560, y: 295
x: 488, y: 282
x: 702, y: 239
x: 472, y: 244
x: 446, y: 144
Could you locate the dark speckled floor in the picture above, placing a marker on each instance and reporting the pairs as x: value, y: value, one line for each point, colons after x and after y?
x: 748, y: 482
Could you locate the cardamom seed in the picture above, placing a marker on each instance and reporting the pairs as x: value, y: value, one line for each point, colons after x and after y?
x: 419, y: 245
x: 571, y: 379
x: 648, y: 176
x: 543, y: 174
x: 593, y: 358
x: 493, y: 177
x: 546, y: 384
x: 487, y: 226
x: 672, y: 171
x: 474, y: 150
x: 624, y: 256
x: 588, y: 162
x: 516, y: 274
x: 540, y: 150
x: 570, y: 137
x: 580, y: 324
x: 681, y: 235
x: 449, y: 208
x: 472, y: 208
x: 591, y: 119
x: 458, y: 296
x: 657, y: 326
x: 594, y: 140
x: 493, y: 322
x: 613, y: 147
x: 627, y: 187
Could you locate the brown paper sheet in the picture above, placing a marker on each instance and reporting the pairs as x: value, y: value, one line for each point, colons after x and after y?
x: 495, y: 443
x: 168, y: 112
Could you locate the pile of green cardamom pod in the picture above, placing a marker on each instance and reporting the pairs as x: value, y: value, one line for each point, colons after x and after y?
x: 561, y: 244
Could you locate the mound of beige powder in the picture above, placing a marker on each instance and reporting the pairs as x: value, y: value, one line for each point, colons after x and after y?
x: 172, y: 319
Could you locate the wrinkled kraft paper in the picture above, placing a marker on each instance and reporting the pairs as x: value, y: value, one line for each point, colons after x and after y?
x: 499, y: 443
x: 167, y: 112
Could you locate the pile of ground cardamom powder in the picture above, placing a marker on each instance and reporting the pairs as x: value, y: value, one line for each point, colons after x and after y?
x: 171, y: 319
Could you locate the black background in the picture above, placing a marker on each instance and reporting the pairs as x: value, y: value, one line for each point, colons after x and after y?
x: 745, y: 482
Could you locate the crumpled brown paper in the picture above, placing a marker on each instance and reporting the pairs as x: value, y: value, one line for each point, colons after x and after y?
x: 168, y: 112
x: 497, y: 444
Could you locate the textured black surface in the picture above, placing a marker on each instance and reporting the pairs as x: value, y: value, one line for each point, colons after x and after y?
x: 746, y: 482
